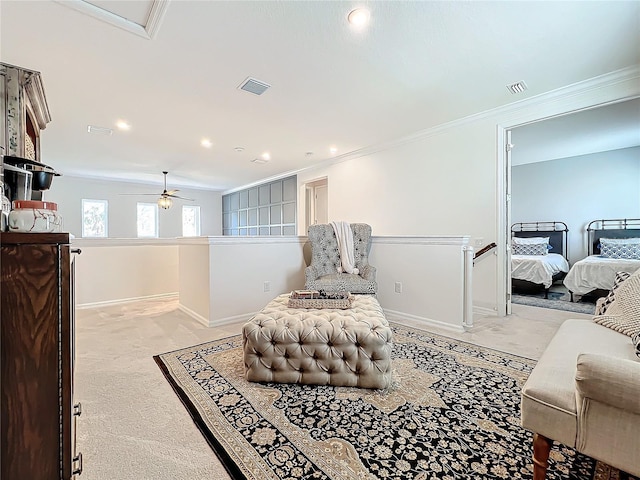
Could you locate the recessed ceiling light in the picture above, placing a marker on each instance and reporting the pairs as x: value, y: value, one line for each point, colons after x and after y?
x: 266, y: 156
x: 206, y: 143
x: 358, y: 17
x: 122, y: 125
x: 333, y: 150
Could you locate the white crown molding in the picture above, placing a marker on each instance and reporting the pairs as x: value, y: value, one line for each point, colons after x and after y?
x: 156, y: 15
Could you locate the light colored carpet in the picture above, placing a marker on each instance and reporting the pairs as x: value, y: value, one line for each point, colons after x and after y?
x: 133, y: 426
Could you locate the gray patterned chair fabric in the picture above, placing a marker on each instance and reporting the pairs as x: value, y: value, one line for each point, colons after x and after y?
x: 322, y: 273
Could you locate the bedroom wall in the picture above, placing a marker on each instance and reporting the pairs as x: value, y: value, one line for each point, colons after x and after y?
x: 68, y: 193
x: 577, y: 190
x: 445, y: 180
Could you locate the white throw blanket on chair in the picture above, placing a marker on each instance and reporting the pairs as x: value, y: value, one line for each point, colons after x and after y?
x: 344, y: 235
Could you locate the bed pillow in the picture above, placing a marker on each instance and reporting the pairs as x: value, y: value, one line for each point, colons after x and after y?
x: 623, y: 315
x: 530, y: 240
x: 532, y: 249
x: 604, y: 302
x: 628, y: 248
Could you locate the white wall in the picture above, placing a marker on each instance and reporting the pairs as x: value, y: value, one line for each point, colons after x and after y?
x: 221, y: 279
x: 68, y: 193
x: 578, y: 190
x: 431, y: 273
x: 447, y: 180
x: 111, y: 271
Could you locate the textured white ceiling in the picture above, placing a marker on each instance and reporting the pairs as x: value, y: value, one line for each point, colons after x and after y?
x: 601, y: 129
x: 419, y: 64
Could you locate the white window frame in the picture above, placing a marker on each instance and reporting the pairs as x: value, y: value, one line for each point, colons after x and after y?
x: 106, y: 218
x: 156, y: 226
x: 196, y: 208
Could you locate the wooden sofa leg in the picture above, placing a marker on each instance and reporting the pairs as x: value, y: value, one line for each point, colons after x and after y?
x: 541, y: 449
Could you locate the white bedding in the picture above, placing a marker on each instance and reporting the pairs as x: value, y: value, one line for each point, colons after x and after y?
x: 597, y: 272
x: 538, y: 268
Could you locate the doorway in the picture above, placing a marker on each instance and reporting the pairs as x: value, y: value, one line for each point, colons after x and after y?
x: 316, y: 202
x: 550, y: 148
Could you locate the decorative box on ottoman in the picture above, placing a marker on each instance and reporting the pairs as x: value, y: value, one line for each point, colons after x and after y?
x: 350, y: 347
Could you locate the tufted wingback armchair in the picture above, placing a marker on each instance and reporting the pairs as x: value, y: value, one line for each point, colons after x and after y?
x: 322, y: 273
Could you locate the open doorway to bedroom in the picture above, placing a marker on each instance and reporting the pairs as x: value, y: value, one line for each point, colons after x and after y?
x: 568, y: 170
x: 316, y: 202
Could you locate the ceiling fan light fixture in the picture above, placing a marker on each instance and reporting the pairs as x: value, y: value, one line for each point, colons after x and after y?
x: 165, y: 202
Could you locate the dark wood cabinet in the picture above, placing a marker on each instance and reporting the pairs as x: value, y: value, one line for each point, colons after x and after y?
x: 37, y: 341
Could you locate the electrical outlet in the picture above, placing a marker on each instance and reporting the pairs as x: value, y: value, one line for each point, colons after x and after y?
x: 267, y: 286
x: 398, y: 287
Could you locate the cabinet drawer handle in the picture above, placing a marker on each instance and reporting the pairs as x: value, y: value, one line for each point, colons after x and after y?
x: 76, y: 250
x: 77, y: 409
x: 77, y: 469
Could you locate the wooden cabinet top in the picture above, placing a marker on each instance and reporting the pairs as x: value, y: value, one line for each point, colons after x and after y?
x: 15, y: 238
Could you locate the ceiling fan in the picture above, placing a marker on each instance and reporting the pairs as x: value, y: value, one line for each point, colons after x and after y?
x: 166, y: 197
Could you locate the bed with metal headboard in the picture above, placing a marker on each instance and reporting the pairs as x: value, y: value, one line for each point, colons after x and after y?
x: 613, y: 246
x: 535, y: 261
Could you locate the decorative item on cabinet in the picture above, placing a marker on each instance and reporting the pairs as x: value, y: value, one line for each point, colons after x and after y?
x: 24, y: 111
x: 37, y: 358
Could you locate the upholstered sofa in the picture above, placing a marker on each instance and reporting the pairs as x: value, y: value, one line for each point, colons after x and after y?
x: 322, y: 272
x: 585, y: 393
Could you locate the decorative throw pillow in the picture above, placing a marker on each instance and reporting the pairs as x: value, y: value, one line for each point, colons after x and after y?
x: 635, y: 339
x: 604, y: 302
x: 628, y: 248
x: 530, y: 249
x: 623, y: 315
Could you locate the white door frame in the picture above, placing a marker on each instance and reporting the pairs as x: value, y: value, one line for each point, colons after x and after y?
x: 309, y: 208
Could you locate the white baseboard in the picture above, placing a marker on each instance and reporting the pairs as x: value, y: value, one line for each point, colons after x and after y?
x: 217, y: 322
x: 229, y: 320
x: 484, y: 311
x: 196, y: 316
x: 414, y: 320
x: 120, y: 301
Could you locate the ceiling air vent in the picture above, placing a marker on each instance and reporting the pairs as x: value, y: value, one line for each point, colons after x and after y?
x: 99, y: 130
x: 517, y: 87
x: 254, y: 86
x: 260, y: 160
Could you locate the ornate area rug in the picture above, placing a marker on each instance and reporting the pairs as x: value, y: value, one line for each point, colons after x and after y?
x: 453, y: 413
x: 558, y: 300
x: 554, y: 303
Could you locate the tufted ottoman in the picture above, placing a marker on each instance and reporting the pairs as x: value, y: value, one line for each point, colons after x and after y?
x: 322, y: 347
